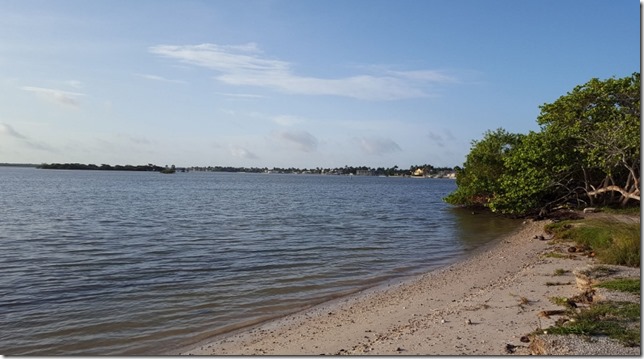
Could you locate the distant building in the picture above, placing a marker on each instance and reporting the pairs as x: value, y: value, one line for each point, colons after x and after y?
x: 418, y: 172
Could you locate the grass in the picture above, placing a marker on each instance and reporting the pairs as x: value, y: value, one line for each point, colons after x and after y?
x: 620, y: 210
x: 603, y: 270
x: 597, y: 271
x: 617, y: 320
x: 561, y: 301
x: 612, y: 241
x: 628, y: 285
x: 559, y: 272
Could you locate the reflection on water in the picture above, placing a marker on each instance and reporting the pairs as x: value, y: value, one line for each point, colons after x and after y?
x: 138, y: 263
x: 479, y: 227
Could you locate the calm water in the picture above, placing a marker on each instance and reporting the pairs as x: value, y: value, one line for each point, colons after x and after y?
x: 127, y: 263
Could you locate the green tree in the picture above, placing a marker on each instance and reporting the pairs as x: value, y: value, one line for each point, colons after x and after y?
x: 586, y: 153
x: 601, y: 122
x: 478, y: 180
x: 537, y: 174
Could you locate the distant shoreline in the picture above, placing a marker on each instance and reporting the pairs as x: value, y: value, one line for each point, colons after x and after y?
x: 30, y: 165
x: 422, y: 171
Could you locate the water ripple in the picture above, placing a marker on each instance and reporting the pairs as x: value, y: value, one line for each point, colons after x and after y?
x: 126, y: 263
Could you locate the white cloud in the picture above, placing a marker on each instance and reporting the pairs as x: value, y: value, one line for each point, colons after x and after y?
x: 378, y: 146
x: 58, y: 96
x: 246, y: 65
x: 159, y: 78
x: 240, y: 95
x: 300, y: 140
x: 424, y: 75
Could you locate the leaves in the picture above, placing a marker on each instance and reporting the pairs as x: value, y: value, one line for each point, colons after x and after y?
x: 587, y: 152
x: 479, y: 179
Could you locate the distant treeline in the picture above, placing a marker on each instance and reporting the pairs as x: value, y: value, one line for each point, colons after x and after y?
x: 80, y: 166
x: 427, y: 170
x: 18, y: 165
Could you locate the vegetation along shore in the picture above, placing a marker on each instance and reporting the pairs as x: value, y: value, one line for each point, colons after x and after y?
x: 586, y: 154
x: 566, y: 285
x: 532, y: 292
x: 425, y: 170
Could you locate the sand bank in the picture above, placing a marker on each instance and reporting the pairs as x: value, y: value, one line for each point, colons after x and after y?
x: 474, y: 307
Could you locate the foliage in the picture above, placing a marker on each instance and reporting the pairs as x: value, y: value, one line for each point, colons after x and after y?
x: 562, y: 301
x: 600, y: 121
x: 524, y: 182
x: 429, y: 170
x: 613, y: 242
x: 559, y: 271
x: 586, y: 153
x: 605, y: 318
x: 622, y: 210
x: 556, y: 255
x: 103, y: 167
x: 628, y: 285
x: 169, y: 170
x: 478, y: 180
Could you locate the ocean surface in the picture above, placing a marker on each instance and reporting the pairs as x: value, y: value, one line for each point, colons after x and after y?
x: 121, y: 263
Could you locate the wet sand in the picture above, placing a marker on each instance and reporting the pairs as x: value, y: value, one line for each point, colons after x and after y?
x: 474, y: 307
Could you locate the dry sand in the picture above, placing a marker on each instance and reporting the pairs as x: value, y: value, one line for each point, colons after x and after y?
x: 474, y: 307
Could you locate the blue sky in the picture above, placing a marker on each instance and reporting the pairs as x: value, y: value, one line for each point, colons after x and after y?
x: 294, y: 83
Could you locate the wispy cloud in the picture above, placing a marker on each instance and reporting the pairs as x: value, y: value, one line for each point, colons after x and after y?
x: 300, y: 140
x: 434, y: 76
x: 66, y: 98
x: 41, y: 146
x: 287, y: 120
x: 159, y: 78
x: 378, y: 145
x: 75, y: 84
x: 243, y: 153
x: 441, y: 139
x: 7, y: 130
x: 247, y: 65
x: 240, y: 95
x: 137, y: 140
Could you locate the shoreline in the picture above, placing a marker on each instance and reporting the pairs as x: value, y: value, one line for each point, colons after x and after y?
x: 475, y: 306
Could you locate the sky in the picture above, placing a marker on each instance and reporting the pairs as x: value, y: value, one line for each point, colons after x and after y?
x: 293, y: 83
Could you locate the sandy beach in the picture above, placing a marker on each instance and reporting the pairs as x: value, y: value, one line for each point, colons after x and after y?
x: 474, y: 307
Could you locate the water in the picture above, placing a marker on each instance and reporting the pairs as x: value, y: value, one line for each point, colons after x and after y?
x: 125, y: 263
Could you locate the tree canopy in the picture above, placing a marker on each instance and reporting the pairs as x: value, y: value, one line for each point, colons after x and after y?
x: 586, y: 153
